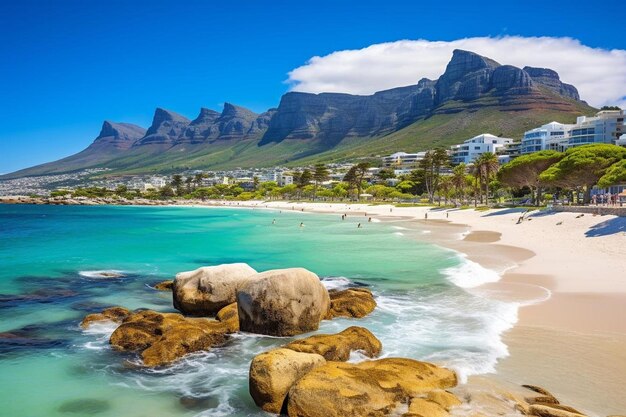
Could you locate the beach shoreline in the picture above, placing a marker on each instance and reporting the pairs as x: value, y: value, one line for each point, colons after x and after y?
x: 565, y: 271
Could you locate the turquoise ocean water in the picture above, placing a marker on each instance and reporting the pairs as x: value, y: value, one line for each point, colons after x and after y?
x: 50, y: 367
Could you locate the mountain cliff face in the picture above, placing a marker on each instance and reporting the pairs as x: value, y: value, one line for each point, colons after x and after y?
x: 306, y: 124
x: 118, y: 135
x: 551, y: 80
x: 468, y: 78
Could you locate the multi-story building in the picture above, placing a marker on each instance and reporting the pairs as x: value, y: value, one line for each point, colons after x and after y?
x: 553, y: 136
x: 285, y: 180
x: 472, y: 148
x: 403, y: 160
x: 606, y: 126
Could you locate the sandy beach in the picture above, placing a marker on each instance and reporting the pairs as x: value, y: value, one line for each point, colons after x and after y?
x: 566, y: 271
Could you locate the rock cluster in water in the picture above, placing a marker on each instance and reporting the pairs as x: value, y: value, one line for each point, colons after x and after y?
x: 284, y: 302
x: 308, y: 377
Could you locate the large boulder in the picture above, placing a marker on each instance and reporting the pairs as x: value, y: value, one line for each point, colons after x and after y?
x: 282, y: 302
x: 370, y: 388
x: 206, y: 290
x: 337, y: 347
x: 273, y: 373
x: 162, y: 338
x: 352, y: 302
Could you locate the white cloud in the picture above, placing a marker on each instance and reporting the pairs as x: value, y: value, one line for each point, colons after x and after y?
x: 599, y: 74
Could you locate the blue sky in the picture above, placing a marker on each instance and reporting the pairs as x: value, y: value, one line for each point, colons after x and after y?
x: 68, y: 65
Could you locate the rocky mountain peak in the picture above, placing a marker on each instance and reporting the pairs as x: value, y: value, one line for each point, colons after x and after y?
x: 232, y: 110
x: 550, y: 79
x: 166, y: 127
x: 119, y: 135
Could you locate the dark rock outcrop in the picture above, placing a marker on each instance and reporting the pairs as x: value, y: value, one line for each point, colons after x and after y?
x: 118, y: 135
x: 550, y: 79
x: 467, y: 77
x: 166, y: 127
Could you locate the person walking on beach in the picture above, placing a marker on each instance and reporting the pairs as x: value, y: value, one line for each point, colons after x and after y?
x: 425, y: 216
x: 447, y: 214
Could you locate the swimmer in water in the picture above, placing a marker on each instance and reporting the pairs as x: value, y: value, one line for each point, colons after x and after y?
x: 358, y: 226
x: 369, y: 220
x: 301, y: 224
x: 274, y: 221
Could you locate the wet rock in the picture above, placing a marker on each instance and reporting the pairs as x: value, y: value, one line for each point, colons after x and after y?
x: 544, y: 399
x: 114, y: 314
x: 163, y: 338
x: 273, y: 373
x: 198, y: 403
x: 229, y: 316
x: 282, y: 302
x: 164, y: 285
x: 420, y: 407
x: 538, y: 390
x: 445, y: 399
x: 204, y: 291
x: 370, y: 388
x: 337, y: 347
x: 552, y: 411
x: 85, y: 406
x: 352, y: 302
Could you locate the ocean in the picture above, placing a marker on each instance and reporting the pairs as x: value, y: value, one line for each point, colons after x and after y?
x: 50, y: 258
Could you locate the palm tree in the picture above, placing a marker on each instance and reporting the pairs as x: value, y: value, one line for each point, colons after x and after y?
x: 486, y: 165
x: 458, y: 180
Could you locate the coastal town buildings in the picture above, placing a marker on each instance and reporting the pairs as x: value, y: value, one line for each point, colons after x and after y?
x: 403, y: 160
x: 606, y: 126
x: 472, y: 148
x: 552, y: 135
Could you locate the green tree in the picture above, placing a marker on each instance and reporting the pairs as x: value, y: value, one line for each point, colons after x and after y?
x: 355, y: 177
x: 385, y: 174
x: 177, y: 183
x: 188, y: 182
x: 583, y: 166
x: 615, y: 174
x: 458, y: 180
x: 167, y: 191
x: 430, y: 169
x: 486, y: 166
x: 197, y: 179
x: 320, y: 174
x: 524, y: 171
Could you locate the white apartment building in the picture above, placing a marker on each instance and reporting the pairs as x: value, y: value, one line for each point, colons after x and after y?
x: 158, y: 182
x: 285, y: 180
x: 403, y: 160
x: 606, y: 126
x: 472, y: 148
x: 553, y: 136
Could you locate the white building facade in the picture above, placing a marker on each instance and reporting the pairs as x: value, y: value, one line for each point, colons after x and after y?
x: 606, y: 126
x: 553, y: 136
x: 472, y: 148
x: 403, y: 160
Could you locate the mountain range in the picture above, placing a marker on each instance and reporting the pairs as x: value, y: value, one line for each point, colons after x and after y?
x: 474, y: 95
